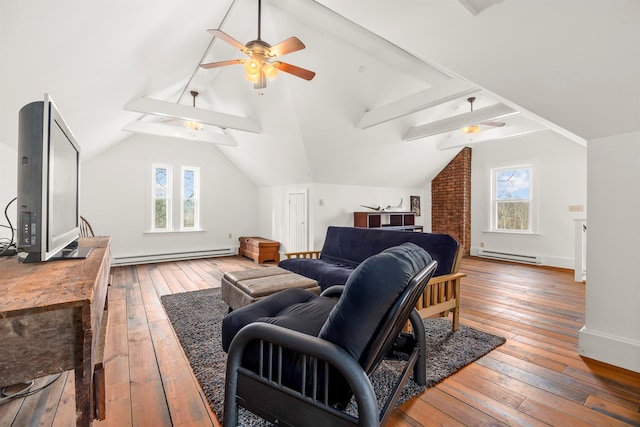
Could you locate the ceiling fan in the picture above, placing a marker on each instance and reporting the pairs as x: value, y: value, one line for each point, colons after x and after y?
x: 261, y: 63
x: 475, y: 128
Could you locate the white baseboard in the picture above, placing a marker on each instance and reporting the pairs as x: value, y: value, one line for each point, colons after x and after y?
x: 558, y: 262
x: 549, y: 261
x: 175, y: 256
x: 614, y: 350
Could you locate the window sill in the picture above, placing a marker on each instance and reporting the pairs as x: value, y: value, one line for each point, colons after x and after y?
x: 512, y: 233
x: 158, y: 232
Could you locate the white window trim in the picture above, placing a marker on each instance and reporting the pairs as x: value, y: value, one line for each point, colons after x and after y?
x: 173, y: 226
x: 533, y: 200
x: 196, y: 199
x: 152, y: 221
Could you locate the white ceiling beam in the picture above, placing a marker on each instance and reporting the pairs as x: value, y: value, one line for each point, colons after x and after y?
x: 184, y: 112
x: 477, y: 6
x: 493, y: 112
x: 444, y: 92
x: 322, y: 18
x: 160, y: 129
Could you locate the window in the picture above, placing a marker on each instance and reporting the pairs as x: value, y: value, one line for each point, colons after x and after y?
x: 190, y: 217
x: 185, y: 200
x: 512, y: 199
x: 161, y: 197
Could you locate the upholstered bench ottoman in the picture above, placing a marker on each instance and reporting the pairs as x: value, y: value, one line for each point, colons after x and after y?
x: 240, y: 288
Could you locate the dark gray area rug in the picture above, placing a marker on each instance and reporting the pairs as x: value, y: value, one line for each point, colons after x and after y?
x: 197, y: 316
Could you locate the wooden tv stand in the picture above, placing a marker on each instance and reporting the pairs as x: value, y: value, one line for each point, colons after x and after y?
x: 53, y: 319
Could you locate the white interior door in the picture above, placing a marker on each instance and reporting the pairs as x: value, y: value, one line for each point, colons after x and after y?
x: 298, y: 228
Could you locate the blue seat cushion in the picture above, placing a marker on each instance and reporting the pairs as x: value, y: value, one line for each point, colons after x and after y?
x: 296, y: 309
x: 324, y: 272
x: 369, y: 294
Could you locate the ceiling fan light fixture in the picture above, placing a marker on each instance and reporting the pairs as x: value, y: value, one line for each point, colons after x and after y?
x: 193, y: 125
x: 471, y: 129
x: 269, y: 70
x: 258, y: 67
x: 252, y: 66
x: 190, y: 124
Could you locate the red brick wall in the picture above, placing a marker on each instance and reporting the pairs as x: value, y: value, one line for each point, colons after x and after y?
x: 451, y: 200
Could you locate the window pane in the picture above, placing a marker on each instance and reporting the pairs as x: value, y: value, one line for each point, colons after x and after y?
x: 161, y: 182
x: 188, y: 184
x: 189, y: 214
x: 512, y: 215
x: 513, y: 184
x: 160, y: 220
x: 190, y: 197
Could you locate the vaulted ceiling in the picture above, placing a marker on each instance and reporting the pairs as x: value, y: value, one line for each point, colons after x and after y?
x: 391, y: 86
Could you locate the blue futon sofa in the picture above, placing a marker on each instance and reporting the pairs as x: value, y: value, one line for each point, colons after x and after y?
x: 346, y: 247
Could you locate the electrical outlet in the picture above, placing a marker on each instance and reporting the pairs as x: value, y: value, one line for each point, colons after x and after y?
x: 482, y: 244
x: 230, y: 236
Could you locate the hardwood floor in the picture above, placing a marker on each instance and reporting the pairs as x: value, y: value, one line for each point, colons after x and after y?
x: 536, y: 378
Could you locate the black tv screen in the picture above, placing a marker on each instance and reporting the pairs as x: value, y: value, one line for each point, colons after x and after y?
x: 63, y: 214
x: 48, y: 185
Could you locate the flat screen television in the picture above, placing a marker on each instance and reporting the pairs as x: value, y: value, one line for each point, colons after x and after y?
x: 48, y: 202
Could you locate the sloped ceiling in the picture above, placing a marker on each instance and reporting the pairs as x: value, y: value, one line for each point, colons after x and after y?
x: 579, y: 77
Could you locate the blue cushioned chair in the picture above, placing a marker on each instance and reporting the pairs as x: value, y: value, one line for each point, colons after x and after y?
x: 296, y: 358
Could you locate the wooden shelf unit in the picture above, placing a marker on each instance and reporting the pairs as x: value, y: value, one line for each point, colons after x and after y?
x: 388, y: 220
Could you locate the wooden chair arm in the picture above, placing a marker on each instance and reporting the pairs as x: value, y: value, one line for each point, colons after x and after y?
x: 440, y: 296
x: 306, y: 254
x: 445, y: 278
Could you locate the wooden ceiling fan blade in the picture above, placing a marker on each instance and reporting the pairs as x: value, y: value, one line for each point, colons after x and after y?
x: 295, y: 70
x: 227, y: 38
x: 222, y: 63
x: 496, y: 124
x: 292, y: 44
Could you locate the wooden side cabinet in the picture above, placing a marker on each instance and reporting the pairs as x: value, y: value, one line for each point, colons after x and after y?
x: 52, y: 318
x: 259, y: 249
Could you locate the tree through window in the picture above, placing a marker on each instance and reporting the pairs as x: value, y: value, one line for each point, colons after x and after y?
x: 190, y: 198
x: 183, y: 196
x: 161, y: 215
x: 512, y: 199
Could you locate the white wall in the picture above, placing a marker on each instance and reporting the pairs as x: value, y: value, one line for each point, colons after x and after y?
x: 116, y: 196
x: 612, y: 325
x: 331, y: 204
x: 8, y: 187
x: 560, y: 180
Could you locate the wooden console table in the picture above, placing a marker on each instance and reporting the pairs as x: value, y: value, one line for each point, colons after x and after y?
x: 53, y: 319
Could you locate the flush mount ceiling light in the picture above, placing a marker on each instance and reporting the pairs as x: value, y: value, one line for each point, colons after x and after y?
x: 475, y: 128
x: 190, y: 124
x: 471, y: 129
x: 260, y: 63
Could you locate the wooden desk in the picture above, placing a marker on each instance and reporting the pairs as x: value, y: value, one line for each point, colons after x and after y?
x: 52, y: 318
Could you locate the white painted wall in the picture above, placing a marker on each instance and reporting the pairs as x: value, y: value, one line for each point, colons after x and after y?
x: 612, y: 325
x: 331, y: 204
x: 8, y: 187
x: 116, y: 196
x: 560, y: 180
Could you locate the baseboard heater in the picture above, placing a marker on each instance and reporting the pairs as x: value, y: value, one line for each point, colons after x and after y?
x: 173, y: 256
x: 506, y: 256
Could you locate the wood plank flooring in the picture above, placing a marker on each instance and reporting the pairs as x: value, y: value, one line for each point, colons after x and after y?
x: 535, y: 379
